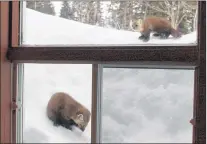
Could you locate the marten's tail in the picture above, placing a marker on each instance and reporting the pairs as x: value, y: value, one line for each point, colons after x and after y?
x: 175, y: 33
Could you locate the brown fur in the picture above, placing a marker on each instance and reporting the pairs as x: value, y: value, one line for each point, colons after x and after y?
x: 160, y: 26
x: 63, y: 110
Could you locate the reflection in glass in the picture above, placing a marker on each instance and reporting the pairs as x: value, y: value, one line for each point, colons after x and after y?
x: 147, y: 105
x: 41, y: 81
x: 109, y: 22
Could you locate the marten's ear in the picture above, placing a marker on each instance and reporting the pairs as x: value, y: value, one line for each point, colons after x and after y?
x: 139, y: 22
x: 80, y: 117
x: 139, y: 25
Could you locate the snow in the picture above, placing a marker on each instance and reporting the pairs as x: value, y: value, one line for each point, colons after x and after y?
x: 75, y: 33
x: 38, y: 88
x: 139, y: 105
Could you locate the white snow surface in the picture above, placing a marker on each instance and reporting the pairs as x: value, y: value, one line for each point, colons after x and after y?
x: 139, y: 105
x: 59, y: 31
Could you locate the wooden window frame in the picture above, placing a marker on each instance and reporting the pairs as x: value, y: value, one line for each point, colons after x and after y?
x: 12, y: 54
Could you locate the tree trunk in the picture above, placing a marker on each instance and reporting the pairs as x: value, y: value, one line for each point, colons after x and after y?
x: 195, y: 20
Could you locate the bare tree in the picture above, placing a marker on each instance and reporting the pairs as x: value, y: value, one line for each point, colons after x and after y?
x: 195, y: 23
x: 193, y: 11
x: 174, y: 9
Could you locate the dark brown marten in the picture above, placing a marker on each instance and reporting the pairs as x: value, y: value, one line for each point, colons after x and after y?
x: 159, y: 26
x: 65, y: 111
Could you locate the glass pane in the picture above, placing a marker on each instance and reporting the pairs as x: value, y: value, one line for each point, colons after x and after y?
x: 109, y: 22
x: 50, y: 115
x: 147, y: 105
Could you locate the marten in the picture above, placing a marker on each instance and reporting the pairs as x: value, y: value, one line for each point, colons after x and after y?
x: 65, y: 111
x: 159, y: 26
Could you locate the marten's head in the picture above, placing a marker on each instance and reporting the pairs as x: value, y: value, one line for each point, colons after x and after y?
x: 137, y: 25
x: 82, y: 118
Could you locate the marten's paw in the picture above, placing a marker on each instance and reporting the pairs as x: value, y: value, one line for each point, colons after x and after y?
x: 144, y: 38
x: 141, y: 37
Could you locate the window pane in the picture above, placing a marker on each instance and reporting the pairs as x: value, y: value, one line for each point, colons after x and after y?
x: 147, y: 105
x: 41, y: 81
x: 109, y: 22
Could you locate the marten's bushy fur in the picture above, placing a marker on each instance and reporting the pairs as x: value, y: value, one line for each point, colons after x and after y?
x: 63, y: 110
x: 160, y: 26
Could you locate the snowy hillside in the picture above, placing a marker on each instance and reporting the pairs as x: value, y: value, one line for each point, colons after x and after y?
x: 62, y: 31
x: 139, y: 105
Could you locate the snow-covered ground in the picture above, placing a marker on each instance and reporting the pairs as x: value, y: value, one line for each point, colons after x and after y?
x: 59, y: 31
x: 40, y: 82
x: 139, y: 105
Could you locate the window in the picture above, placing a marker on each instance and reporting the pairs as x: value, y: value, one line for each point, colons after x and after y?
x: 108, y: 22
x: 146, y: 105
x: 73, y: 79
x: 103, y: 65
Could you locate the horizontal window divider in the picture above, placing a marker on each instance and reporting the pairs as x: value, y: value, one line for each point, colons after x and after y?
x: 152, y: 65
x: 187, y: 54
x: 110, y: 47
